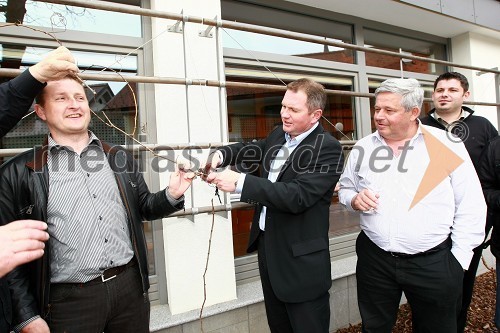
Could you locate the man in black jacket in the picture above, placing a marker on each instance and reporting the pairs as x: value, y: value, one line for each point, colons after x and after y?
x: 23, y: 241
x: 301, y: 165
x: 489, y: 174
x: 93, y: 276
x: 450, y: 91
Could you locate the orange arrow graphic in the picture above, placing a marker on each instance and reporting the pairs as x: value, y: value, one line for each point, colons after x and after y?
x: 442, y: 162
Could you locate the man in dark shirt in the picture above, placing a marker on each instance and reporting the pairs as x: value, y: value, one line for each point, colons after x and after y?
x: 23, y: 241
x: 450, y: 91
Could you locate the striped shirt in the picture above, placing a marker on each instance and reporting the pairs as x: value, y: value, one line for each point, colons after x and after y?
x: 86, y: 216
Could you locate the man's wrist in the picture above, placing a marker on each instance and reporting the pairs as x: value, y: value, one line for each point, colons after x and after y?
x: 25, y: 323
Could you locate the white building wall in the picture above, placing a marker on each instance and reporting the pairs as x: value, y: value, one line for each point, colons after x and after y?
x: 192, y: 114
x: 478, y: 50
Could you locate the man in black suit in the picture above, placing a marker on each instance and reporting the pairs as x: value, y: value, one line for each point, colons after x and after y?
x: 300, y: 166
x: 23, y: 241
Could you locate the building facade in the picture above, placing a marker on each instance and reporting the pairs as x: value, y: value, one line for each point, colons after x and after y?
x: 218, y: 83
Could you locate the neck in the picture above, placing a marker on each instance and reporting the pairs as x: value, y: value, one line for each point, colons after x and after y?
x: 397, y: 144
x: 77, y: 142
x: 451, y: 116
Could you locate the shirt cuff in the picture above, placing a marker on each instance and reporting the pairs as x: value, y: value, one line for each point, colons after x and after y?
x: 240, y: 183
x: 25, y: 323
x: 173, y: 201
x: 221, y: 158
x: 345, y: 198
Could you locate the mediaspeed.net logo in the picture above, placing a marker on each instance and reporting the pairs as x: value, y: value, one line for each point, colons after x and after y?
x: 442, y: 162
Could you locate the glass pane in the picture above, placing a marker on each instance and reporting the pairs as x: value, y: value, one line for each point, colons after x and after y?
x: 254, y: 112
x: 61, y: 17
x: 263, y: 43
x: 288, y: 20
x: 405, y: 45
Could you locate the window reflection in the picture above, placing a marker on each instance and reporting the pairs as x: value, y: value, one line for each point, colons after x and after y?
x: 62, y: 18
x: 405, y: 45
x: 285, y: 46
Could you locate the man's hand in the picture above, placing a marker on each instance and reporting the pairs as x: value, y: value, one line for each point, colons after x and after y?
x: 224, y: 180
x: 56, y: 65
x: 365, y: 201
x: 36, y: 326
x: 212, y: 163
x: 181, y: 178
x: 20, y: 242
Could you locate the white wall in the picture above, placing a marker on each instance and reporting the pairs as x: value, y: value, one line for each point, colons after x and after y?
x: 192, y: 114
x: 481, y: 51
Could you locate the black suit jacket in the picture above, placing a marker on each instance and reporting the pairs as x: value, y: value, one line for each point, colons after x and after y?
x: 297, y: 217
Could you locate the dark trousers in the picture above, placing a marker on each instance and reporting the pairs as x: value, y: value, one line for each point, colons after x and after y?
x: 306, y: 317
x: 432, y: 284
x: 468, y: 286
x: 5, y: 306
x: 116, y: 306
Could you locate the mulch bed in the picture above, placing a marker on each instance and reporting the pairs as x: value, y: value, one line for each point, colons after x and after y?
x: 480, y: 316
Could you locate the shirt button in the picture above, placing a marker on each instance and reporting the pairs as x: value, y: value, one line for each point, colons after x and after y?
x: 105, y: 240
x: 88, y: 174
x: 100, y: 218
x: 94, y: 195
x: 111, y: 262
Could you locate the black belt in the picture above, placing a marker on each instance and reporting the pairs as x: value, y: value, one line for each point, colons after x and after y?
x: 107, y: 275
x: 444, y: 245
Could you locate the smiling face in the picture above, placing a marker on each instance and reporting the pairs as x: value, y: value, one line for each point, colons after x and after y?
x: 392, y: 121
x: 65, y: 109
x: 296, y: 116
x: 448, y: 96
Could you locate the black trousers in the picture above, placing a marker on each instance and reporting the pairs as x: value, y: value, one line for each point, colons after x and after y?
x: 432, y: 284
x: 468, y: 286
x: 115, y: 306
x: 5, y: 306
x: 306, y: 317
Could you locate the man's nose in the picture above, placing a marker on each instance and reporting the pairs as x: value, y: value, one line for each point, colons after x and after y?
x: 73, y: 103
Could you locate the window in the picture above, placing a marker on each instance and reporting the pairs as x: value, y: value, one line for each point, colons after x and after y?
x: 405, y: 45
x: 287, y: 20
x: 61, y: 18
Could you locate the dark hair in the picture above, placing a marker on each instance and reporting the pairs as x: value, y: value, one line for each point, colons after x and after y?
x: 453, y: 75
x: 40, y: 98
x: 315, y: 92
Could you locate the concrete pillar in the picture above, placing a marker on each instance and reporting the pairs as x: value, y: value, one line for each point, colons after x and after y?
x: 192, y: 114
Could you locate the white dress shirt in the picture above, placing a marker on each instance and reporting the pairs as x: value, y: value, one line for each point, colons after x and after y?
x: 456, y: 205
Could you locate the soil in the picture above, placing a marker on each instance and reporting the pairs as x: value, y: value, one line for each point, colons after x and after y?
x: 480, y: 316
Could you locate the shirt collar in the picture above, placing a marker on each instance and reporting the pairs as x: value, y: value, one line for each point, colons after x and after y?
x: 93, y: 140
x: 464, y: 114
x: 377, y: 137
x: 299, y: 138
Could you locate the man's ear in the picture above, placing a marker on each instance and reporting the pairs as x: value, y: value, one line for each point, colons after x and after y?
x: 415, y: 112
x: 40, y: 112
x: 317, y: 114
x: 466, y: 94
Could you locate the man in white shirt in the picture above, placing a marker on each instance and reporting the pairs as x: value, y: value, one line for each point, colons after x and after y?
x: 422, y: 214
